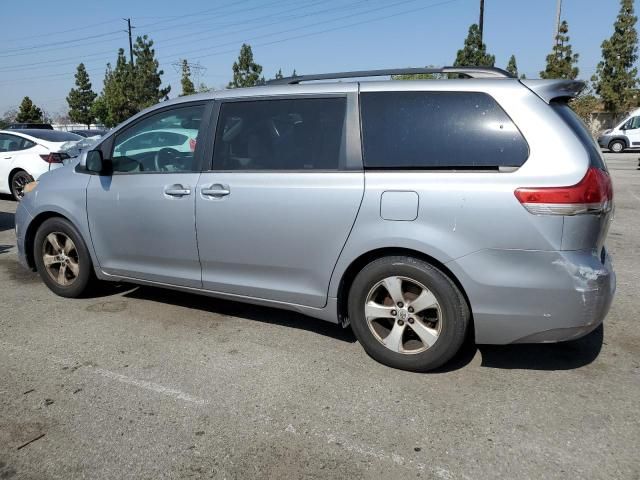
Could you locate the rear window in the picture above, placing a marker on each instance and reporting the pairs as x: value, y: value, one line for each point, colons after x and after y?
x: 582, y: 132
x: 439, y: 130
x: 53, y: 135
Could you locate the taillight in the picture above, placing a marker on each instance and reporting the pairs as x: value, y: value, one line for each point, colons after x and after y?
x: 54, y: 157
x: 593, y: 194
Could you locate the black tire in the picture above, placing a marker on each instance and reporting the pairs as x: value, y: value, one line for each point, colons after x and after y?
x: 454, y: 312
x: 61, y: 227
x: 17, y: 182
x: 617, y: 146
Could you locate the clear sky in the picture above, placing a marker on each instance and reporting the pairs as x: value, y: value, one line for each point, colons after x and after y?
x: 43, y: 41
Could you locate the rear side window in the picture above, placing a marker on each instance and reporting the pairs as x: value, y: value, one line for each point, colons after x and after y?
x: 438, y: 130
x: 287, y: 134
x: 582, y: 132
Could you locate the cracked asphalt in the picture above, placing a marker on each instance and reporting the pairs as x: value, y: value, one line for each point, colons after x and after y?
x: 147, y: 383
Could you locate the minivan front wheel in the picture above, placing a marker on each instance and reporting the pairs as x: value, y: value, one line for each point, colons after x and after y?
x: 62, y: 258
x: 617, y: 146
x: 407, y: 314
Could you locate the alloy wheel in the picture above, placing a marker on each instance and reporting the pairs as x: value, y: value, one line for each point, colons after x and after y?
x: 60, y: 258
x: 18, y: 182
x: 403, y: 315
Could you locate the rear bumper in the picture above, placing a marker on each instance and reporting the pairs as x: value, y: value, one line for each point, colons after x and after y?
x: 523, y: 296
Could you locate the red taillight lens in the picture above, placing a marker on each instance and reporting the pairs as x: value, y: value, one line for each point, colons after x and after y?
x: 54, y: 157
x: 593, y: 194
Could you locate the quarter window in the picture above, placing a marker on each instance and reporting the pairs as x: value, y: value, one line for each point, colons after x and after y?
x: 438, y: 130
x: 288, y: 134
x: 164, y: 142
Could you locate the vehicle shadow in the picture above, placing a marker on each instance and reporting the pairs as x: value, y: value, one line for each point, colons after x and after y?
x: 236, y: 309
x: 541, y: 356
x: 7, y: 221
x: 545, y: 356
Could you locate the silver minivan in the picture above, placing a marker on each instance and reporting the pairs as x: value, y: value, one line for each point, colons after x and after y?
x: 418, y: 212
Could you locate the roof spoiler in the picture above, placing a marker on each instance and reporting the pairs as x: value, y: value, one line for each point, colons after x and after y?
x: 550, y: 90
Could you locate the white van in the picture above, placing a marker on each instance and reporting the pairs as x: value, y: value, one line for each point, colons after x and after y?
x: 623, y: 136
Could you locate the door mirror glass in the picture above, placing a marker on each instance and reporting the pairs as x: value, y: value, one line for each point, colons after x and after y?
x: 94, y: 162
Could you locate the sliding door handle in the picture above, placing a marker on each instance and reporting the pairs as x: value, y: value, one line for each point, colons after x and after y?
x: 216, y: 190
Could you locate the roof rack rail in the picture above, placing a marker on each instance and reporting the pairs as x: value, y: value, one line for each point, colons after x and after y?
x: 467, y: 72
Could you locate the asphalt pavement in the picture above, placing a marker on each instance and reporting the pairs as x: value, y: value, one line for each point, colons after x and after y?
x: 146, y: 383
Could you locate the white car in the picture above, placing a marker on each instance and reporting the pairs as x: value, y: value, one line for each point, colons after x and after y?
x: 182, y: 140
x: 27, y: 154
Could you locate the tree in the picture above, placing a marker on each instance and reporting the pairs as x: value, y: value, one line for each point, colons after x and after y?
x: 130, y: 88
x: 187, y: 85
x: 29, y: 112
x: 561, y: 61
x: 147, y: 75
x: 246, y: 73
x: 81, y: 99
x: 474, y: 53
x: 616, y: 79
x: 512, y: 66
x: 8, y: 117
x: 203, y: 88
x: 117, y: 102
x: 584, y: 105
x: 279, y: 74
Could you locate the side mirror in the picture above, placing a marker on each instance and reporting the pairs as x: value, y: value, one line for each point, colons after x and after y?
x: 95, y: 163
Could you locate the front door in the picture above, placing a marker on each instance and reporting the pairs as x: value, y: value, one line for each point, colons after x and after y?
x: 277, y: 208
x: 142, y: 217
x: 12, y: 148
x: 632, y: 131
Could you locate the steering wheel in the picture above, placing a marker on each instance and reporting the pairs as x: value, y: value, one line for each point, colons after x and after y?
x: 163, y: 157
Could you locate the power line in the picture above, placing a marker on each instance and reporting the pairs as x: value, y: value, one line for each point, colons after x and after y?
x: 445, y: 2
x: 235, y: 42
x: 60, y: 32
x: 363, y: 22
x: 191, y: 36
x: 44, y: 47
x: 62, y: 42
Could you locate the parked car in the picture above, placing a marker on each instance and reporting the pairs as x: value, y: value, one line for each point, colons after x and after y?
x: 417, y: 211
x: 26, y: 154
x: 38, y: 126
x: 90, y: 133
x: 625, y: 135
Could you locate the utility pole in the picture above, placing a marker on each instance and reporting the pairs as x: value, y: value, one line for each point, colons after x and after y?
x: 481, y: 22
x: 556, y: 29
x: 129, y: 27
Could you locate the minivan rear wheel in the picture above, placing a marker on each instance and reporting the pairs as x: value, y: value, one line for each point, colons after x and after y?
x: 407, y: 314
x: 617, y: 146
x: 62, y: 258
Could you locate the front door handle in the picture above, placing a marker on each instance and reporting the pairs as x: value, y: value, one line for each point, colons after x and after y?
x: 215, y: 190
x: 177, y: 190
